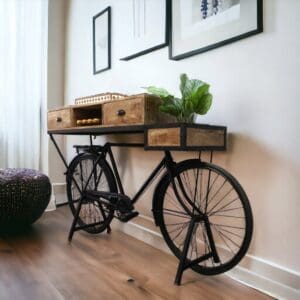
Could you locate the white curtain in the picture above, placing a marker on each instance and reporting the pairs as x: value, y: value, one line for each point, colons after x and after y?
x: 23, y: 57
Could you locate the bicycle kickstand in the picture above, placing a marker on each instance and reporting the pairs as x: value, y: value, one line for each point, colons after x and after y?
x: 73, y: 226
x: 182, y: 266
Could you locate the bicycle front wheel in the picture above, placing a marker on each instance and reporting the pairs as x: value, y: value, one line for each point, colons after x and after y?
x: 208, y: 190
x: 102, y: 179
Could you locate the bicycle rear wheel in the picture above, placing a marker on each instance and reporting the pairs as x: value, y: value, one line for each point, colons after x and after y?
x: 209, y: 190
x: 102, y: 180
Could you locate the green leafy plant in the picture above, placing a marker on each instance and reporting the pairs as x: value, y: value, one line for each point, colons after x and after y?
x: 195, y: 99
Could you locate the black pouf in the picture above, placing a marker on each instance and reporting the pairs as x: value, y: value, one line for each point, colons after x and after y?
x: 24, y: 195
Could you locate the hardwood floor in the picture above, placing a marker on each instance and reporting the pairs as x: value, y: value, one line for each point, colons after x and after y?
x: 40, y: 264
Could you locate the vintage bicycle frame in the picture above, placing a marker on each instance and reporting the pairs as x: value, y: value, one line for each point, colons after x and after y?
x: 167, y: 163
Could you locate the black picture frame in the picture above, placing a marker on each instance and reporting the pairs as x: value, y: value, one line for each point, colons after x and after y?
x: 106, y: 36
x: 163, y: 44
x: 258, y: 29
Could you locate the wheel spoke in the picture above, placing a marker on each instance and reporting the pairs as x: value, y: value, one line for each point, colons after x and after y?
x: 221, y: 236
x: 174, y: 202
x: 226, y: 226
x: 230, y: 232
x: 196, y: 188
x: 174, y: 213
x: 182, y: 228
x: 203, y: 200
x: 225, y: 210
x: 226, y: 205
x: 227, y: 216
x: 179, y: 228
x: 174, y: 224
x: 225, y: 180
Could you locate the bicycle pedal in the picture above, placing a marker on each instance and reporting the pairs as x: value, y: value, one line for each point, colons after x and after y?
x: 125, y: 217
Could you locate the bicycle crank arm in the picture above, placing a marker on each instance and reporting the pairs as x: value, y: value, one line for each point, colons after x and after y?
x: 125, y: 217
x: 119, y: 202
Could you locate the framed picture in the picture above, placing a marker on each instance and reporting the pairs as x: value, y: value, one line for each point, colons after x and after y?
x: 143, y: 37
x: 102, y: 41
x: 201, y: 25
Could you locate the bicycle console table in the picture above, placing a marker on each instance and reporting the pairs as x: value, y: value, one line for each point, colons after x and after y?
x: 203, y: 213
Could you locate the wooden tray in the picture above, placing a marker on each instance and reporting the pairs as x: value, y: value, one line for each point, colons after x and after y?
x: 185, y: 137
x: 99, y: 98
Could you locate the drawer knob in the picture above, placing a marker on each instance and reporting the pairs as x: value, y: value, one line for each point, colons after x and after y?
x: 58, y: 119
x: 121, y: 112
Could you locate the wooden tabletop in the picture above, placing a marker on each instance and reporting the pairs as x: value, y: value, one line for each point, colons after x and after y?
x: 99, y: 130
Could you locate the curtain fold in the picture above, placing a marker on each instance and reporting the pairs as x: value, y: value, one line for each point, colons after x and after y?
x: 23, y: 57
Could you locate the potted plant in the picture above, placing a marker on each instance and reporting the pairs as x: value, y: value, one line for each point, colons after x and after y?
x: 195, y: 99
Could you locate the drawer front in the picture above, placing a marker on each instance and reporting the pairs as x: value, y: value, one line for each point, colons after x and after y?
x: 163, y: 137
x: 60, y: 119
x: 123, y: 112
x: 196, y: 137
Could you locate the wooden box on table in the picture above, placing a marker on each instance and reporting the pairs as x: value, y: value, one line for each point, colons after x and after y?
x: 139, y: 109
x: 185, y: 137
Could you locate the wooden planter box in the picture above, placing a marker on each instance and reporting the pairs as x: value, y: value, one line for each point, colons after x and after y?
x: 185, y: 137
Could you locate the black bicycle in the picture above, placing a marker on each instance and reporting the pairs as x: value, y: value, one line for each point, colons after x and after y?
x: 203, y: 212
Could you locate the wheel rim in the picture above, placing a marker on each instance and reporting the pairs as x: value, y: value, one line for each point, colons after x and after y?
x: 91, y: 211
x: 217, y: 195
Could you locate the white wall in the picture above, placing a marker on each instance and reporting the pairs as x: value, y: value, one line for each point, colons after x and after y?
x: 255, y: 83
x: 55, y: 90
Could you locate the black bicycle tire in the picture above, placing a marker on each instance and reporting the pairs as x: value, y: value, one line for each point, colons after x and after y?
x: 111, y: 182
x: 161, y: 190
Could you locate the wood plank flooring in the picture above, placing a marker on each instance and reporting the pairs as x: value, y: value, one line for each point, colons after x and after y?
x: 40, y: 264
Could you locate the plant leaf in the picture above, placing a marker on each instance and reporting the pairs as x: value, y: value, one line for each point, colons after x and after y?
x: 170, y: 109
x: 195, y: 97
x: 204, y: 104
x: 183, y: 80
x: 191, y: 87
x: 161, y: 92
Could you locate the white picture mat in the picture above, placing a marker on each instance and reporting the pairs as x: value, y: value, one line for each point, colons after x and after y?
x: 188, y: 35
x: 101, y: 42
x: 141, y: 16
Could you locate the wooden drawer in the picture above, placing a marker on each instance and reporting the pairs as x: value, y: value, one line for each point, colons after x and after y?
x: 185, y: 137
x: 60, y: 118
x: 138, y: 110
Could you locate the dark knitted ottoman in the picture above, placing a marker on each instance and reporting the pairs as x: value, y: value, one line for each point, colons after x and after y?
x: 24, y: 195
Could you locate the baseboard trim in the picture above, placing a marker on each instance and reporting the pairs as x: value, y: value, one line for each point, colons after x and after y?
x: 254, y: 272
x: 59, y: 193
x: 61, y: 204
x: 266, y: 285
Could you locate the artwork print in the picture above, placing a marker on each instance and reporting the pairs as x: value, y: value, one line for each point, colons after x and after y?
x: 141, y: 36
x: 210, y: 8
x: 201, y: 25
x: 102, y: 41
